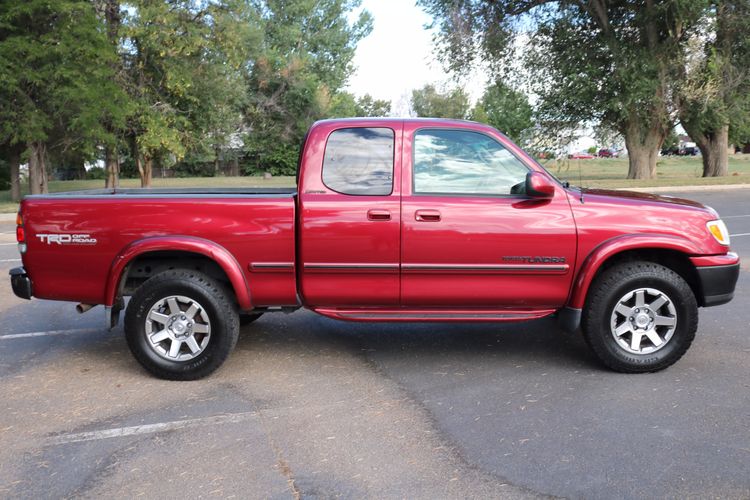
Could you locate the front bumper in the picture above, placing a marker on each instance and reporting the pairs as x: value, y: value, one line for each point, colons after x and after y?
x: 21, y: 283
x: 717, y: 281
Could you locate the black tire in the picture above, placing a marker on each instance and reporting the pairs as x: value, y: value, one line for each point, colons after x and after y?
x: 215, y: 301
x: 606, y: 293
x: 247, y: 318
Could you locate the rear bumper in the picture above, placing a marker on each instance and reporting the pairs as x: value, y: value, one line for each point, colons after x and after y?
x: 717, y: 281
x: 21, y: 283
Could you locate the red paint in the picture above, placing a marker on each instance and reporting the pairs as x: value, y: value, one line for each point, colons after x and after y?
x: 398, y: 257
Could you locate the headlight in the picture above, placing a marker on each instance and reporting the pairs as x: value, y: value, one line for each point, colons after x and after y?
x: 719, y: 231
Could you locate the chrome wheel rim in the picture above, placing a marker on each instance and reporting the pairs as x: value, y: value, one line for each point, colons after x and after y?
x: 178, y: 328
x: 643, y: 321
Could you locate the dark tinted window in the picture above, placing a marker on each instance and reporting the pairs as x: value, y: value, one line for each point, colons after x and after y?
x: 463, y: 162
x: 359, y: 161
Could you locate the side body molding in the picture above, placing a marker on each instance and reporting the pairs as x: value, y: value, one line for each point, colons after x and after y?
x: 192, y: 244
x: 619, y: 244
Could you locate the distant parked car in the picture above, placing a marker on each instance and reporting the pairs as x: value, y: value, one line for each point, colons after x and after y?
x: 689, y: 151
x: 581, y: 156
x: 670, y: 151
x: 608, y: 153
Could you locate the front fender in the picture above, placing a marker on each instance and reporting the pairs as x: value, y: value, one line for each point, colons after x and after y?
x: 191, y: 244
x: 619, y: 244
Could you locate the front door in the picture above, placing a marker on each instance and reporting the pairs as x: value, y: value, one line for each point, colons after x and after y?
x: 468, y: 240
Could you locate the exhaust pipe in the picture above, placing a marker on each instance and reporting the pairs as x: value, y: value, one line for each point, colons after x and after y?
x: 82, y: 308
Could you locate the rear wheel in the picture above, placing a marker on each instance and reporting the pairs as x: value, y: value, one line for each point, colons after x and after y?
x: 181, y: 325
x: 640, y: 317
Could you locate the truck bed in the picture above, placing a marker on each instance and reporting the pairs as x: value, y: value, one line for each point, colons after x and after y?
x: 75, y: 238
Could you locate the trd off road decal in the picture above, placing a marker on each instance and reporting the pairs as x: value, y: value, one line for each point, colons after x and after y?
x: 67, y: 239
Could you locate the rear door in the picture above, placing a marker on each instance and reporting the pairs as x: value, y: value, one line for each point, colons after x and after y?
x: 467, y: 240
x: 350, y: 215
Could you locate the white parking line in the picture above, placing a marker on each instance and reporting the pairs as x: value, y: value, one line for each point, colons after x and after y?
x: 10, y: 260
x: 50, y: 332
x: 739, y: 234
x: 734, y: 216
x: 8, y: 244
x: 231, y: 418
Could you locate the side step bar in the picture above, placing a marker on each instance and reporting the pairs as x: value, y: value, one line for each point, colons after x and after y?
x: 438, y: 315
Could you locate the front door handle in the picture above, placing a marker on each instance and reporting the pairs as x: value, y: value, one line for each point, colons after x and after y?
x: 378, y: 215
x: 427, y: 215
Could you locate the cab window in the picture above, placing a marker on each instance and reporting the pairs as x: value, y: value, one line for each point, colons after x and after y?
x: 460, y: 162
x: 359, y: 161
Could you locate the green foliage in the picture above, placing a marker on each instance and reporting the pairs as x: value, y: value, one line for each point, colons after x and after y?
x: 95, y: 173
x: 505, y: 109
x: 346, y: 105
x: 611, y: 63
x: 303, y: 61
x: 431, y: 102
x: 4, y: 175
x: 716, y: 90
x: 56, y: 82
x: 185, y: 64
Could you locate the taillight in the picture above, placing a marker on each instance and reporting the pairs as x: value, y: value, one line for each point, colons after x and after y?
x: 20, y: 233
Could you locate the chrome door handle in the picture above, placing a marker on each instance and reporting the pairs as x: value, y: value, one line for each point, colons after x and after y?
x: 378, y: 215
x: 427, y: 215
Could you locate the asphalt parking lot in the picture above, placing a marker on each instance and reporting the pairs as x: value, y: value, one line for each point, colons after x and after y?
x: 309, y: 407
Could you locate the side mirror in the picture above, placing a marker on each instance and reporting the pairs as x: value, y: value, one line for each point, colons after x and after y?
x: 539, y: 186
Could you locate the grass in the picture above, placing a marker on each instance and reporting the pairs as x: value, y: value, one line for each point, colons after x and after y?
x: 671, y: 171
x: 605, y: 173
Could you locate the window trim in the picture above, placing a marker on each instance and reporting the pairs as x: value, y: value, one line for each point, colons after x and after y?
x: 462, y: 195
x: 393, y: 162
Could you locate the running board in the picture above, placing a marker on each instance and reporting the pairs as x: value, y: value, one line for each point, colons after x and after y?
x: 463, y: 315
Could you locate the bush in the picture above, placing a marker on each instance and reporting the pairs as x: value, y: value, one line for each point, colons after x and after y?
x: 4, y: 176
x: 96, y: 173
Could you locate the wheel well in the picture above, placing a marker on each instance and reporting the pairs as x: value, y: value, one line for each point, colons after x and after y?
x: 671, y: 259
x: 152, y: 263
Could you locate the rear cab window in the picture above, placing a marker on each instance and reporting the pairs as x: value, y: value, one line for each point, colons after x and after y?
x: 359, y: 161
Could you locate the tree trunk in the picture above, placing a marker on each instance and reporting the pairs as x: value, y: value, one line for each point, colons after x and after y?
x: 37, y: 168
x: 146, y: 168
x: 217, y: 162
x: 643, y: 140
x: 714, y: 146
x: 15, y: 175
x: 112, y: 167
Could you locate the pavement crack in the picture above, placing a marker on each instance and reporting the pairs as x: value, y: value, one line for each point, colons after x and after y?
x: 281, y: 464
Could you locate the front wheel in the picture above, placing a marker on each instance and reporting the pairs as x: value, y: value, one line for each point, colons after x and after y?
x: 639, y: 317
x: 181, y: 325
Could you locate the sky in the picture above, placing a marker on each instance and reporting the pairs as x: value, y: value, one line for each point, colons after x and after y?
x: 398, y: 56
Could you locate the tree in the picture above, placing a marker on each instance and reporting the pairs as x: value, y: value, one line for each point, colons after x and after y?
x: 505, y: 109
x: 55, y: 80
x: 612, y: 63
x: 715, y: 96
x: 303, y: 62
x: 346, y: 105
x: 431, y: 102
x: 185, y: 64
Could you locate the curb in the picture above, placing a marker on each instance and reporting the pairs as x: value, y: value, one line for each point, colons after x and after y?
x: 8, y: 217
x: 685, y: 189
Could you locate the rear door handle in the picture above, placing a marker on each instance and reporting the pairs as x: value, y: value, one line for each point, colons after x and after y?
x: 378, y: 215
x: 427, y: 215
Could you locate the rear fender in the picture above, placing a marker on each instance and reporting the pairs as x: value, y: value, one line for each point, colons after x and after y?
x: 201, y: 246
x: 617, y: 245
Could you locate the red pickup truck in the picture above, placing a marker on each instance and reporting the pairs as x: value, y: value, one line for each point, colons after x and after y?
x: 391, y: 220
